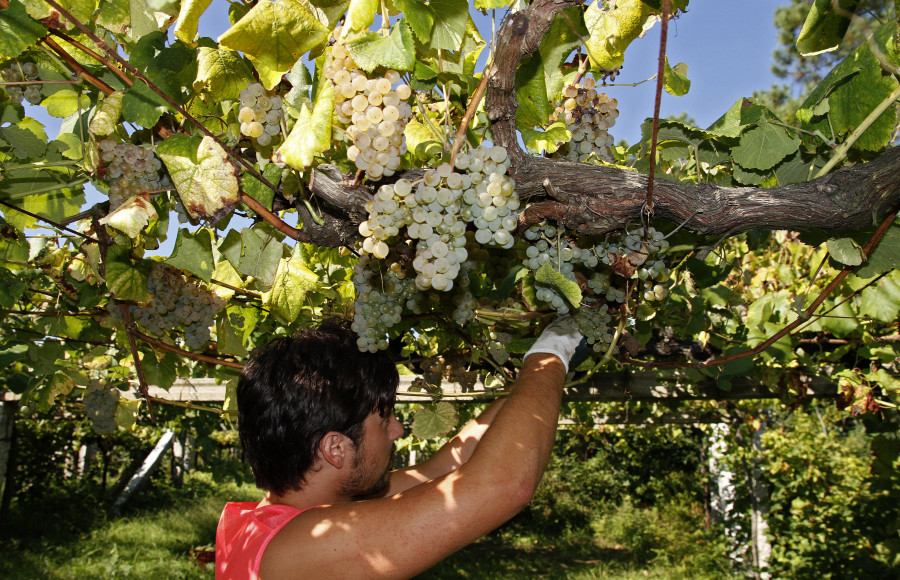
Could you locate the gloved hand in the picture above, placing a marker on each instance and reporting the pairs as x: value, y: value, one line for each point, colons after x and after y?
x: 560, y: 338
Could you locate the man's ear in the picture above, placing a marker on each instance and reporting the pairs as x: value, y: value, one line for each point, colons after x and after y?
x: 334, y: 449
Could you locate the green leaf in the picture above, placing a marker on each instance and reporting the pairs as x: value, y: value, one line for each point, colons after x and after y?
x: 855, y: 96
x: 274, y: 35
x: 547, y: 276
x: 23, y: 140
x: 765, y: 146
x: 193, y: 253
x: 531, y: 92
x: 846, y: 251
x: 189, y: 18
x: 292, y: 281
x: 886, y: 255
x: 419, y: 16
x: 142, y: 106
x: 311, y: 133
x: 17, y: 30
x: 254, y: 253
x: 816, y: 104
x: 221, y: 74
x: 547, y: 140
x: 881, y: 301
x: 396, y: 51
x: 451, y: 18
x: 743, y: 113
x: 840, y: 322
x: 563, y: 36
x: 434, y: 421
x: 126, y: 279
x: 676, y: 80
x: 203, y: 175
x: 227, y: 341
x: 257, y: 189
x: 825, y: 26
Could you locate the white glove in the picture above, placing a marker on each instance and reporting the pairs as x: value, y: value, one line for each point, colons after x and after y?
x: 560, y: 338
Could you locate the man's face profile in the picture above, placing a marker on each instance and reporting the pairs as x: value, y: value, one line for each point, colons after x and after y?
x: 373, y: 460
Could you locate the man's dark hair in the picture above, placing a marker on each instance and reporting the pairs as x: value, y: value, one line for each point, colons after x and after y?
x: 295, y: 390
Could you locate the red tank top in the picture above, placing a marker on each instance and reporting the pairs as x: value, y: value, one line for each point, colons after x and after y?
x: 243, y: 533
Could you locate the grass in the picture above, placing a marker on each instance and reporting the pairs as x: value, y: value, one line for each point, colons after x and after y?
x: 73, y: 537
x: 70, y: 536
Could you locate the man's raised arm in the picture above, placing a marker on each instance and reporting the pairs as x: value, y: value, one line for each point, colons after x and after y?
x: 402, y: 535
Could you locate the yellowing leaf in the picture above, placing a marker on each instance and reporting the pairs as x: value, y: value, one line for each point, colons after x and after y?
x: 189, y: 19
x: 311, y: 133
x: 132, y: 216
x: 613, y: 30
x: 107, y: 116
x: 203, y: 175
x: 273, y: 35
x: 221, y: 74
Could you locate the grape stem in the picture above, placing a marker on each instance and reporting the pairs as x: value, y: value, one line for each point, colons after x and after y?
x: 130, y: 327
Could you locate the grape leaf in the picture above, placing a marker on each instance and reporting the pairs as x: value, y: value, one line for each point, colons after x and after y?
x: 359, y: 17
x: 422, y: 141
x: 765, y: 146
x: 547, y: 140
x: 855, y: 96
x: 451, y: 18
x: 419, y: 16
x: 886, y: 255
x: 273, y: 35
x: 311, y: 133
x: 563, y: 36
x: 221, y: 74
x: 17, y: 30
x: 257, y: 189
x: 547, y: 276
x: 225, y: 272
x: 227, y: 341
x: 846, y: 251
x: 881, y: 301
x: 531, y: 92
x: 203, y: 175
x: 193, y: 253
x: 132, y: 216
x: 253, y: 252
x: 676, y: 79
x: 292, y: 281
x: 189, y: 19
x: 612, y: 30
x: 106, y: 115
x: 431, y: 422
x: 114, y: 16
x: 126, y: 279
x: 396, y: 51
x: 57, y: 384
x: 142, y: 106
x: 25, y: 143
x: 825, y: 26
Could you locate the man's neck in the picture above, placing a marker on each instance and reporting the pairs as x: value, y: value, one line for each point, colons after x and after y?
x: 315, y: 492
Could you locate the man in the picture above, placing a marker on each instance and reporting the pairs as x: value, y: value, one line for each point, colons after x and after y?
x: 317, y: 425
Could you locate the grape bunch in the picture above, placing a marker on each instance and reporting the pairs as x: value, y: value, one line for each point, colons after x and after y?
x: 260, y: 114
x: 131, y: 170
x: 588, y: 115
x: 381, y: 296
x: 22, y: 73
x: 375, y: 111
x: 100, y: 406
x: 595, y: 324
x: 176, y: 303
x: 436, y: 212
